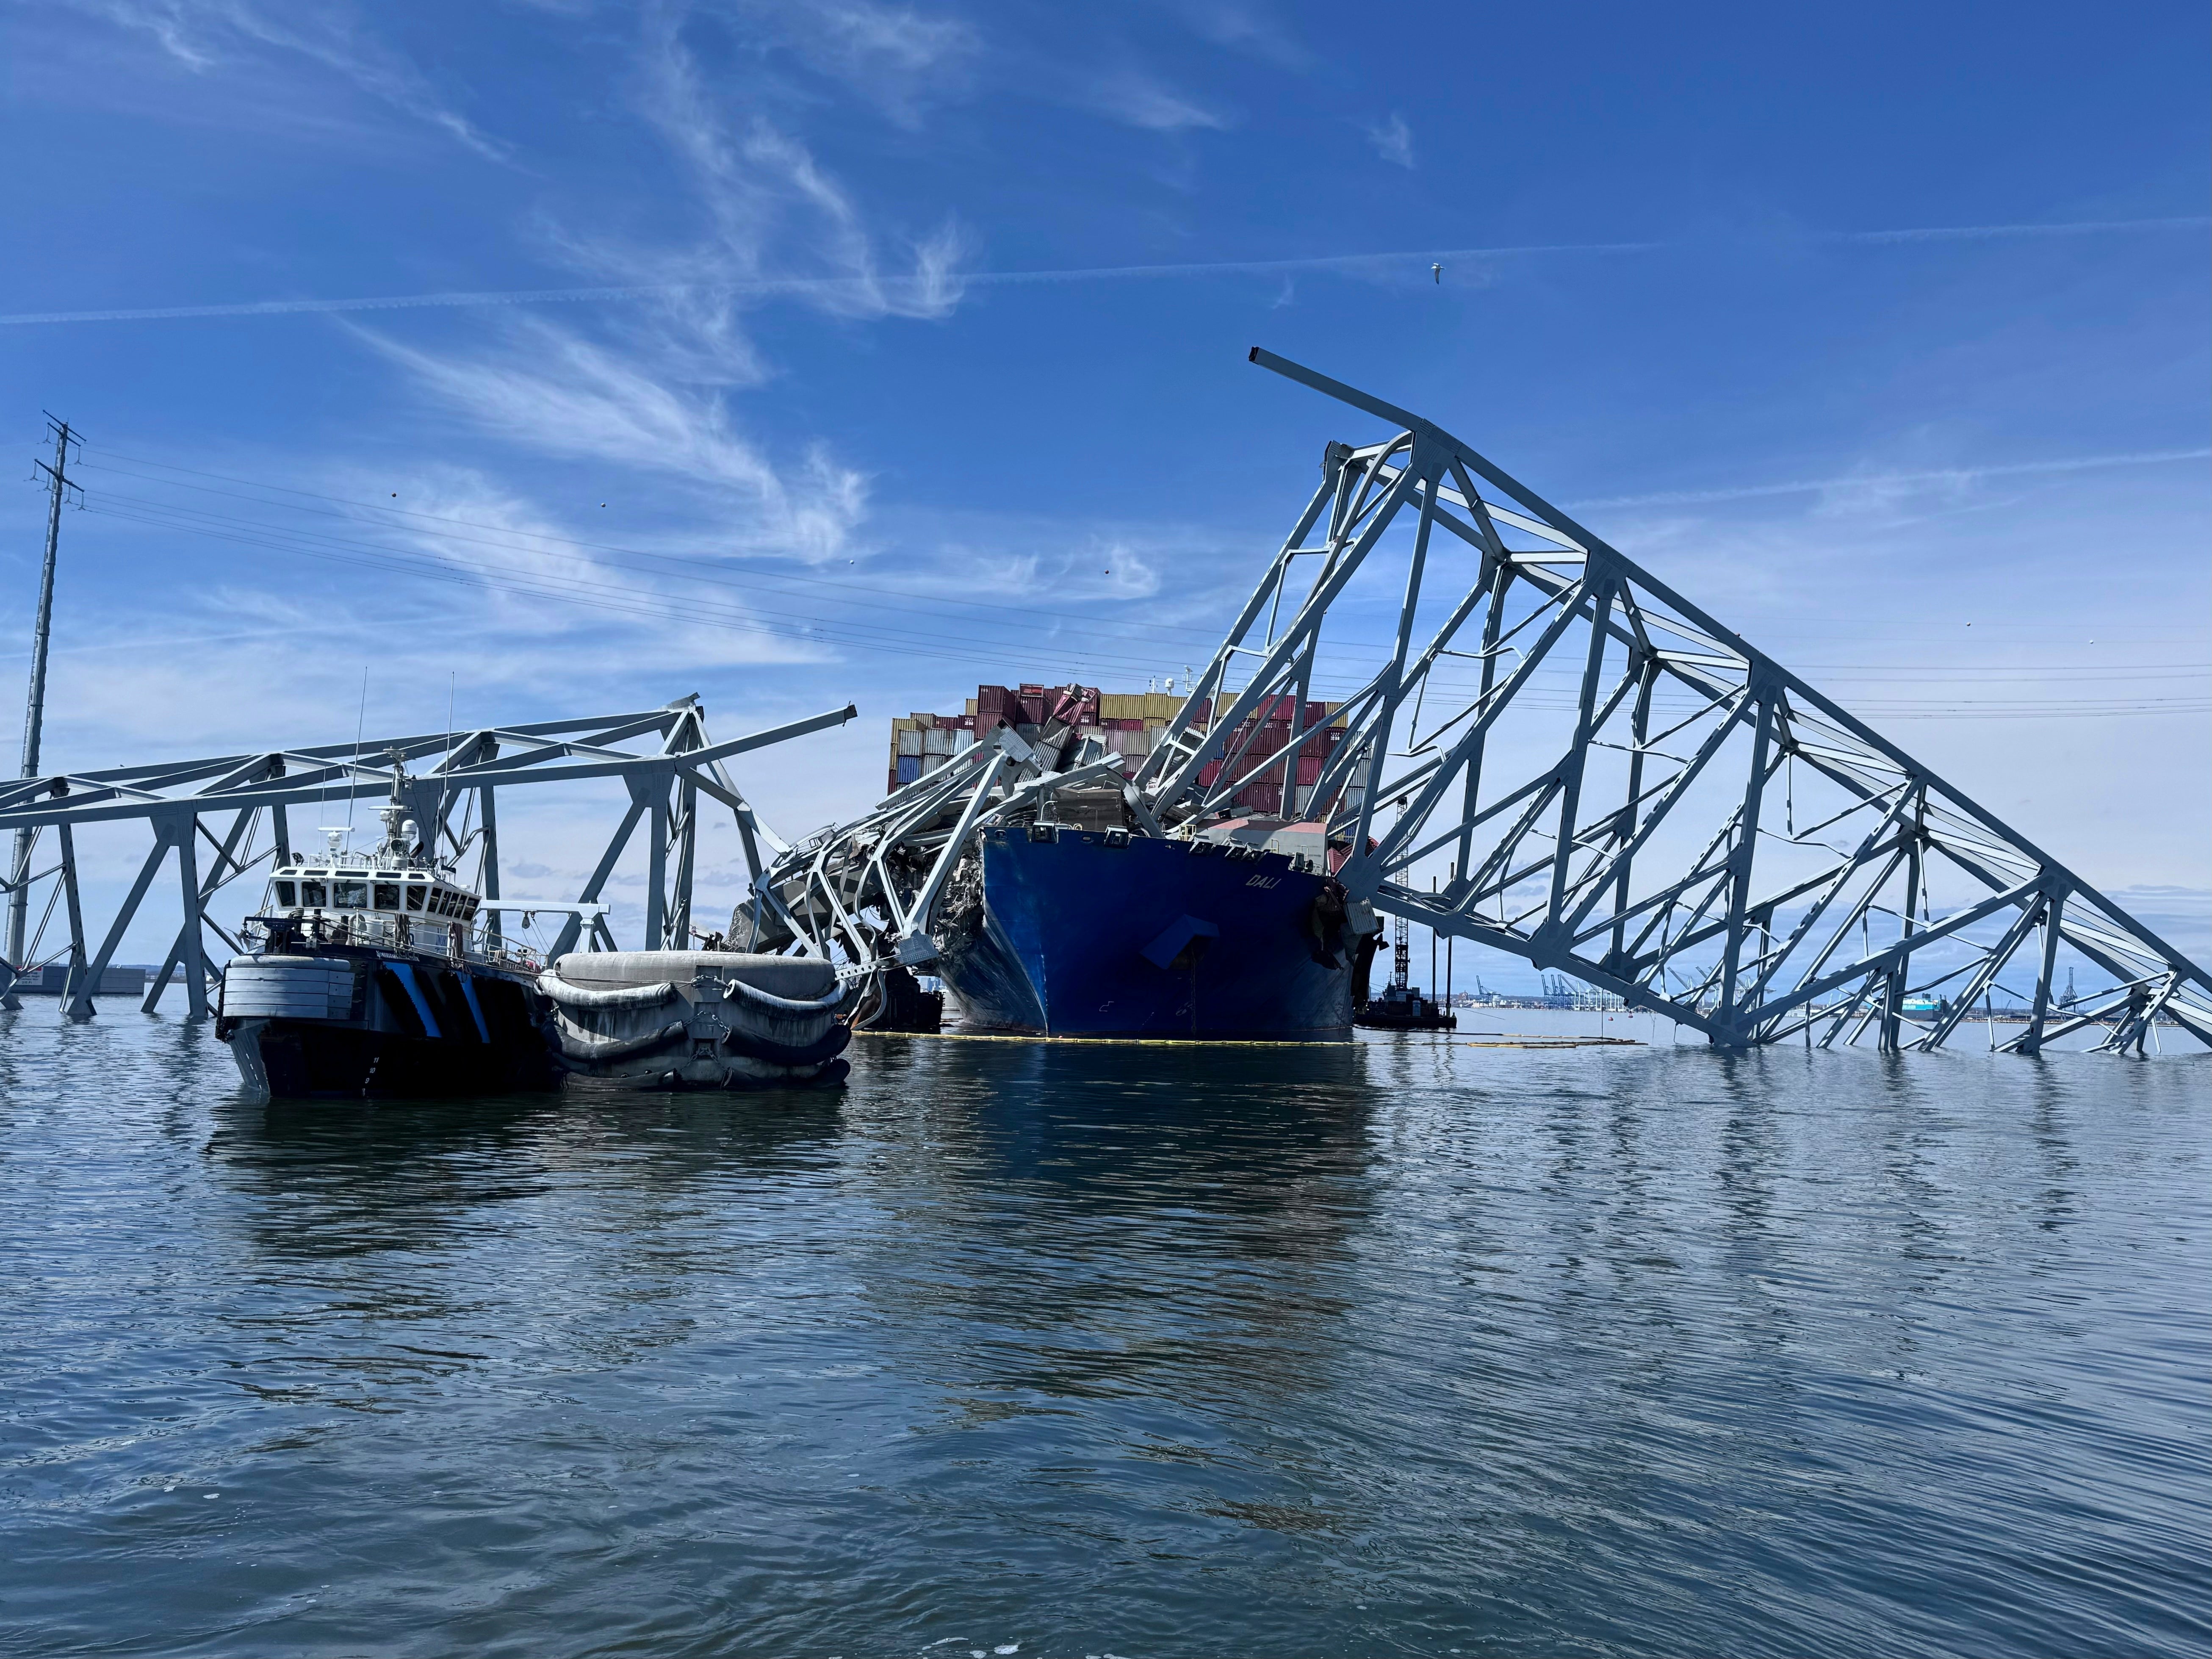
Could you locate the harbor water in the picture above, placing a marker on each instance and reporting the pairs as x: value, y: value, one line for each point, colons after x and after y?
x: 1410, y: 1345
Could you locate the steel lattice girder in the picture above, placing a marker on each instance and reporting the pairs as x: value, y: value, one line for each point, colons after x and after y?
x: 864, y: 890
x: 1620, y: 827
x: 680, y: 762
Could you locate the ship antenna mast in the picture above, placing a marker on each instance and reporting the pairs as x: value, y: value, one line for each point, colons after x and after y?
x: 360, y: 720
x: 445, y: 781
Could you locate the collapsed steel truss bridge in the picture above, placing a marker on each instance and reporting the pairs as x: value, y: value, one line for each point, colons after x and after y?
x: 233, y: 810
x: 1555, y: 755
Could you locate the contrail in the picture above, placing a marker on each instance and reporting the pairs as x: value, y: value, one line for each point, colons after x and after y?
x: 862, y: 285
x: 1942, y: 475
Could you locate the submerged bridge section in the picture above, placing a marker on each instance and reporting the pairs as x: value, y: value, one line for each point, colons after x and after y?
x: 1554, y: 754
x: 1547, y: 750
x: 223, y: 816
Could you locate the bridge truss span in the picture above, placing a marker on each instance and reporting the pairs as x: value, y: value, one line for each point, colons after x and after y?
x: 1553, y: 753
x: 223, y: 817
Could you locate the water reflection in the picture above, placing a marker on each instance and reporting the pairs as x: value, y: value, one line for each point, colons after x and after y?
x: 1116, y: 1228
x: 1403, y: 1347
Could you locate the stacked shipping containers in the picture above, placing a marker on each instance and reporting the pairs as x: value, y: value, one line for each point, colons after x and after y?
x: 1129, y: 722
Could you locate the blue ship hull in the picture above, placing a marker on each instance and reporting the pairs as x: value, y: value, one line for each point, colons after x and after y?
x: 1087, y: 935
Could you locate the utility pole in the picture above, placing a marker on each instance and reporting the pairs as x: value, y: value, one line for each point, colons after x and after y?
x: 34, y: 714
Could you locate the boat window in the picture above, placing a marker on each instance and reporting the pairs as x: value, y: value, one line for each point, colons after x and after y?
x: 310, y: 895
x: 468, y: 910
x: 387, y: 895
x: 414, y: 890
x: 284, y: 899
x: 348, y: 896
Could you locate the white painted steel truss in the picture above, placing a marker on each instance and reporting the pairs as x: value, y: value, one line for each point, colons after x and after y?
x: 1587, y: 766
x: 234, y: 809
x: 864, y: 893
x: 1593, y: 774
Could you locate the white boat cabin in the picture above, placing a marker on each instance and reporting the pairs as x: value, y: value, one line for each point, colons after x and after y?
x: 393, y: 881
x: 304, y: 889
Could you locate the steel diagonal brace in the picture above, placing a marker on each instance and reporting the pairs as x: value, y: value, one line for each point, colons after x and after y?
x: 1277, y: 573
x: 917, y: 919
x: 1881, y: 960
x: 1985, y: 974
x: 1422, y: 908
x: 1570, y: 611
x: 1866, y: 851
x: 1675, y: 790
x: 1486, y: 882
x: 1308, y: 619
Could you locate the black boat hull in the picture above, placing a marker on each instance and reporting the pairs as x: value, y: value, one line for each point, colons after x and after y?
x: 337, y: 1022
x: 304, y: 1060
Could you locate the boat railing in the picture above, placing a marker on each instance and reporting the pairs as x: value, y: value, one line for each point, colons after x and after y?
x: 456, y: 941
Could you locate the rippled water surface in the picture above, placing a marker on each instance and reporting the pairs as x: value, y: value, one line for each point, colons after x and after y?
x: 1411, y: 1347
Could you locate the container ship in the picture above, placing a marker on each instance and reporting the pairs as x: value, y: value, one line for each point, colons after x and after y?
x: 1063, y: 915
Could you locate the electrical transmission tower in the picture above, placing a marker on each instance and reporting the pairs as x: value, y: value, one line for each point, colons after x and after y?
x: 58, y: 486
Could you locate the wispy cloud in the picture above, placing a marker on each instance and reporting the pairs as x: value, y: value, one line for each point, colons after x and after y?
x: 774, y: 218
x: 647, y: 390
x: 563, y: 395
x: 1250, y: 28
x: 1140, y: 99
x: 895, y: 57
x: 1392, y: 140
x: 205, y: 36
x: 1938, y: 477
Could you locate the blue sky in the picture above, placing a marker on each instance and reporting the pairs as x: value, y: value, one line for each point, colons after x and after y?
x: 904, y: 347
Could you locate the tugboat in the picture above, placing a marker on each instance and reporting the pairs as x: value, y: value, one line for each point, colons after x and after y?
x: 366, y: 975
x: 1401, y: 1007
x: 370, y: 976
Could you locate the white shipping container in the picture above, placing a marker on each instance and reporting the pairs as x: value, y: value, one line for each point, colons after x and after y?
x: 909, y: 741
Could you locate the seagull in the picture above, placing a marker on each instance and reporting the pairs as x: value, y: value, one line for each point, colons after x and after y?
x: 1438, y: 270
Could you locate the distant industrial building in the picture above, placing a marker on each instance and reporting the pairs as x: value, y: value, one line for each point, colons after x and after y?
x: 114, y: 981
